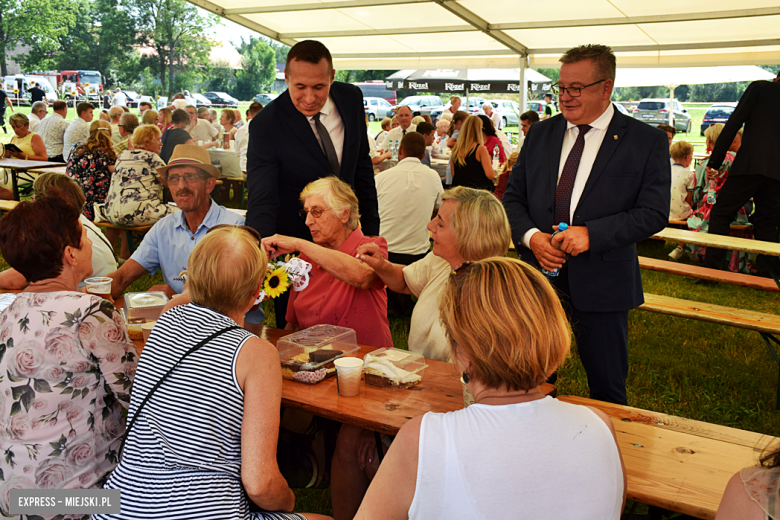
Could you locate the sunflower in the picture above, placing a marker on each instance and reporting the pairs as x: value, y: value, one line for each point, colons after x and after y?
x: 276, y: 282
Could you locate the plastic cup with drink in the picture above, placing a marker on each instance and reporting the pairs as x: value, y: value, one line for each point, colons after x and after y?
x: 348, y: 372
x: 100, y: 286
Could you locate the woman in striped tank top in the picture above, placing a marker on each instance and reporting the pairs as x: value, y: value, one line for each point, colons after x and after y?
x: 204, y: 444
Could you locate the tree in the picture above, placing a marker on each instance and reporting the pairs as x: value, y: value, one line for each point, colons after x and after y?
x: 220, y: 77
x: 280, y: 51
x: 37, y: 23
x: 176, y: 31
x: 259, y: 68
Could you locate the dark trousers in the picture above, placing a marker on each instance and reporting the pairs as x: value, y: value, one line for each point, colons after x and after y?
x: 57, y: 158
x: 602, y: 341
x: 280, y: 308
x: 401, y: 304
x: 736, y: 191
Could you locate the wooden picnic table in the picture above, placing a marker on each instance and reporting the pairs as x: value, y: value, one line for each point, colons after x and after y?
x: 17, y: 165
x: 377, y: 409
x: 720, y: 241
x: 53, y: 169
x: 678, y: 464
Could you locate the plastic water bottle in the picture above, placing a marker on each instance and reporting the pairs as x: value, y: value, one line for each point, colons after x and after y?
x: 496, y: 154
x: 563, y: 226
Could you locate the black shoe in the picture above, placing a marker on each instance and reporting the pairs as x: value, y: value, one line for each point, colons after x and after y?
x: 700, y: 281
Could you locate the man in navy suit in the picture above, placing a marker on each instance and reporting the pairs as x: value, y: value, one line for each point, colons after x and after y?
x: 314, y: 129
x: 608, y: 177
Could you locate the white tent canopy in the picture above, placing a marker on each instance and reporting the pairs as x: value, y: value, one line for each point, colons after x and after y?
x: 674, y: 77
x: 429, y: 34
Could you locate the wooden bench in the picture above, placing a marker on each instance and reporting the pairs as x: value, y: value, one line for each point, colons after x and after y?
x: 678, y: 464
x: 134, y: 235
x: 705, y: 273
x: 684, y: 223
x: 767, y: 325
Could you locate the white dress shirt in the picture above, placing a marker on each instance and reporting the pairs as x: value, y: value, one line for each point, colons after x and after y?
x: 331, y: 120
x: 34, y: 122
x: 203, y: 131
x: 371, y: 147
x: 180, y: 104
x: 593, y: 140
x: 506, y: 144
x: 120, y: 100
x: 242, y: 145
x: 77, y: 133
x: 407, y: 195
x: 380, y: 138
x: 396, y: 134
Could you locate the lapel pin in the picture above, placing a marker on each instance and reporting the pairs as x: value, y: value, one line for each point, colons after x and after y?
x: 615, y: 137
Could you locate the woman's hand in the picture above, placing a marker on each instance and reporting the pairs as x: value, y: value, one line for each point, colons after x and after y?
x: 279, y: 245
x: 365, y: 450
x: 371, y: 255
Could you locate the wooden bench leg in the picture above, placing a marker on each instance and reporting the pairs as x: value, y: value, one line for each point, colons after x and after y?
x: 132, y: 241
x: 768, y: 339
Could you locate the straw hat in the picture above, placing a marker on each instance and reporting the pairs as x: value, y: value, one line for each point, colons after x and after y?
x: 190, y: 155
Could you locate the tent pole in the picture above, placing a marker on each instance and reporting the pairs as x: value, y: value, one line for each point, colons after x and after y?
x: 467, y: 101
x: 523, y: 94
x: 671, y: 105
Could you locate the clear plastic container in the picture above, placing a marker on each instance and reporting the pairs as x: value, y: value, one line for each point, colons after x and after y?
x: 306, y: 355
x: 393, y: 368
x: 141, y: 307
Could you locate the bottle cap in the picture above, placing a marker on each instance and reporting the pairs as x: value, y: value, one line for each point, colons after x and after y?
x: 563, y: 226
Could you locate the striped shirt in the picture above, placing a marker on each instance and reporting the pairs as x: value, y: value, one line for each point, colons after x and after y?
x: 182, y: 458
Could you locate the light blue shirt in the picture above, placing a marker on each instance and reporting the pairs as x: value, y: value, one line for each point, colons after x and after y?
x: 427, y: 159
x: 167, y: 246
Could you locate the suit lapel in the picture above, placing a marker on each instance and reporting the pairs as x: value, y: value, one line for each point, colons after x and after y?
x: 301, y: 129
x: 554, y: 154
x: 612, y: 139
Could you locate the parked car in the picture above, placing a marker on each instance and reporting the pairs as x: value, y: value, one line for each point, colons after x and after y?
x: 264, y: 99
x: 717, y: 113
x: 201, y: 100
x: 221, y: 99
x: 419, y: 105
x: 536, y: 106
x: 620, y: 108
x: 377, y: 89
x: 132, y: 98
x: 375, y: 107
x: 475, y: 105
x: 655, y: 112
x: 509, y: 111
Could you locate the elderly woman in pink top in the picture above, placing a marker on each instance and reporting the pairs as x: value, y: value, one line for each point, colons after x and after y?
x: 342, y: 291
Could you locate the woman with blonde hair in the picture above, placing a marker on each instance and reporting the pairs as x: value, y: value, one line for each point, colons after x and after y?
x: 456, y: 123
x: 227, y: 381
x: 164, y: 119
x: 30, y: 143
x: 508, y: 333
x: 91, y: 165
x: 134, y: 194
x: 470, y: 162
x: 471, y: 225
x: 150, y: 117
x: 503, y: 175
x: 454, y: 107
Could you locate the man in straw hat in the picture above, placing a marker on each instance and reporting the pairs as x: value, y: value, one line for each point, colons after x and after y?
x: 191, y: 178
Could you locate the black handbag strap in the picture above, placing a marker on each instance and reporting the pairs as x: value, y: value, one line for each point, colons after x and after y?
x: 165, y: 376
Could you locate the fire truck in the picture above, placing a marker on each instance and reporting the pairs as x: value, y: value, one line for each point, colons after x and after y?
x: 74, y: 84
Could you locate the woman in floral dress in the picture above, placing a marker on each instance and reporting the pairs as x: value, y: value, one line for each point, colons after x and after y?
x: 700, y: 220
x: 134, y: 195
x: 66, y: 358
x: 91, y: 165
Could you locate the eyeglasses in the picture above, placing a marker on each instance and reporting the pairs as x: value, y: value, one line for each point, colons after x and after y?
x: 316, y: 212
x: 250, y: 230
x: 573, y: 91
x: 188, y: 178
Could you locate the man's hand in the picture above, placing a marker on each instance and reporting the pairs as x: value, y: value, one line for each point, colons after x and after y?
x: 278, y: 245
x: 548, y: 257
x: 573, y: 241
x: 711, y: 172
x: 371, y: 255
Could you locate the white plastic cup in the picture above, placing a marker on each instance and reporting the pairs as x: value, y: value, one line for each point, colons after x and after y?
x: 100, y: 286
x: 146, y: 328
x: 348, y: 372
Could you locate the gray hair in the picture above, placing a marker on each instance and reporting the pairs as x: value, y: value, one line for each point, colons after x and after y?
x: 338, y: 195
x: 115, y: 112
x: 38, y: 105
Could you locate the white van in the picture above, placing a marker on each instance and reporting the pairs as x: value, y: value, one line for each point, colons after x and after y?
x: 22, y: 84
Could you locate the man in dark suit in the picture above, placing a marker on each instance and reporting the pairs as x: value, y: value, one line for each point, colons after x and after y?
x: 755, y: 172
x: 608, y: 177
x: 314, y: 129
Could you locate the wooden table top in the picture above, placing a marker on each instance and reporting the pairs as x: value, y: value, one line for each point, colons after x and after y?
x: 377, y: 409
x: 675, y: 463
x: 19, y: 164
x: 8, y: 205
x: 53, y: 169
x: 720, y: 241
